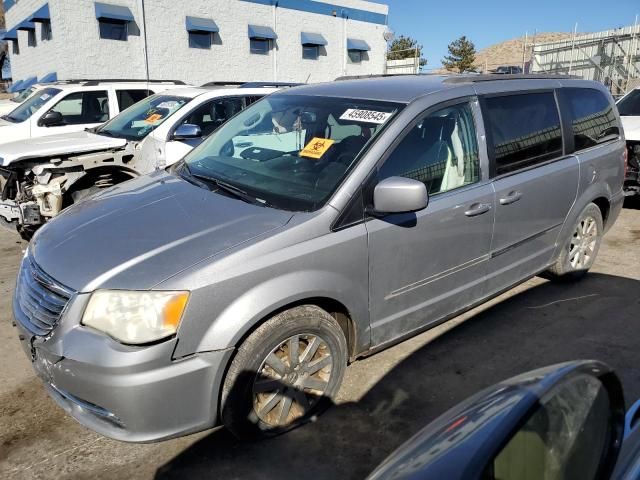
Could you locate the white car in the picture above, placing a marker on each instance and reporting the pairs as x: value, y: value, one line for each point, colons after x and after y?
x: 72, y: 106
x: 7, y: 105
x: 629, y: 108
x: 40, y: 176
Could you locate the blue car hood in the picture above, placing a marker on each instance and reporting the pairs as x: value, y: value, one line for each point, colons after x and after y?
x: 138, y: 234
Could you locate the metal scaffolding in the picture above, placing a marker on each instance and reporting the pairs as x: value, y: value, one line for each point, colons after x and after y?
x: 611, y: 57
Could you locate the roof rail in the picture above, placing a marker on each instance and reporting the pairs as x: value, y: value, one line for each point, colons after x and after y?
x: 269, y: 84
x: 489, y: 77
x: 222, y: 84
x: 94, y: 81
x: 374, y: 75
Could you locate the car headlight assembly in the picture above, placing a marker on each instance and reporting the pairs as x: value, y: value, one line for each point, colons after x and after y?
x: 135, y: 317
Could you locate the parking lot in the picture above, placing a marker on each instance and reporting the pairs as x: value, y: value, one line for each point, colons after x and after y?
x: 384, y: 400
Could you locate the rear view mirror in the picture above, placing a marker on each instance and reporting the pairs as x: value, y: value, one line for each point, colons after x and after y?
x: 187, y: 131
x: 399, y: 195
x: 565, y: 422
x: 51, y: 119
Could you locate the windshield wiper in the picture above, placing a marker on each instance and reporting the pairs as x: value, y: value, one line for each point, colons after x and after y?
x: 229, y: 188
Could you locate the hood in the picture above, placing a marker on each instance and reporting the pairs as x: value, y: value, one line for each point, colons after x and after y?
x: 631, y: 127
x: 61, y: 144
x: 139, y: 233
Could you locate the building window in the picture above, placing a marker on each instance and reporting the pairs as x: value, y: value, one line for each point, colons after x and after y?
x: 355, y: 56
x: 112, y: 30
x: 200, y: 40
x: 16, y: 48
x: 259, y: 46
x: 46, y: 33
x: 31, y: 38
x: 310, y: 52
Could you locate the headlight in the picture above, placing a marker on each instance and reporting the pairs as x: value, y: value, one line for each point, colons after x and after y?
x: 135, y: 317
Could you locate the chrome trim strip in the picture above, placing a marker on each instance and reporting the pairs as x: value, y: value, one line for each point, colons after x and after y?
x: 437, y: 276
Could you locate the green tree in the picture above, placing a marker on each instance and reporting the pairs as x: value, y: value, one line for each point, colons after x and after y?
x: 406, y: 47
x: 462, y: 54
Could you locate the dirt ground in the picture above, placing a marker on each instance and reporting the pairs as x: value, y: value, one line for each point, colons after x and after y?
x: 385, y: 398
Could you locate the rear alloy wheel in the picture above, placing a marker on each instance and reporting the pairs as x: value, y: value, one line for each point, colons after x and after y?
x: 581, y: 248
x: 286, y: 372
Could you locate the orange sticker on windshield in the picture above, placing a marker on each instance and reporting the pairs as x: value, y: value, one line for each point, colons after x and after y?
x: 317, y: 147
x: 153, y: 118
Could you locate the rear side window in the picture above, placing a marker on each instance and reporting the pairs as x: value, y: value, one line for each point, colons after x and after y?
x: 126, y: 98
x: 593, y: 120
x: 525, y: 129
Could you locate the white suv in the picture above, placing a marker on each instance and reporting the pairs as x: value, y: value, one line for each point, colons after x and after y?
x: 40, y: 176
x: 72, y: 106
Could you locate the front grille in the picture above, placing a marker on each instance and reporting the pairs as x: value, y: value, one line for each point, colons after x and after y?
x: 40, y: 300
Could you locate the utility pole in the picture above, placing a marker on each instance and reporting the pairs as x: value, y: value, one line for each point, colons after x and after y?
x: 573, y: 43
x: 146, y: 51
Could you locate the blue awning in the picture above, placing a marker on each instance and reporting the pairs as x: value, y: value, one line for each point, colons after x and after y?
x: 15, y: 87
x: 26, y: 25
x: 28, y: 82
x: 312, y: 39
x: 41, y: 15
x: 113, y: 12
x: 258, y: 32
x: 49, y: 77
x: 10, y: 35
x: 195, y: 24
x: 359, y: 45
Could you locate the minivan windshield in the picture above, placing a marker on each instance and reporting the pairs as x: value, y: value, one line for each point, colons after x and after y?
x: 31, y: 105
x: 290, y: 151
x: 629, y: 106
x: 142, y: 118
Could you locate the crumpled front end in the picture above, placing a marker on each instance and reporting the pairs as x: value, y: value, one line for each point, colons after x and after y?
x: 34, y: 191
x: 632, y: 177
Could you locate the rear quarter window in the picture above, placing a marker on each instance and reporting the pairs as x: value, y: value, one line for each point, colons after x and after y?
x: 593, y: 119
x: 525, y: 130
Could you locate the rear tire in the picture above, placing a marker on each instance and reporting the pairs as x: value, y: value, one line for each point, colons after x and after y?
x: 580, y: 249
x: 284, y: 374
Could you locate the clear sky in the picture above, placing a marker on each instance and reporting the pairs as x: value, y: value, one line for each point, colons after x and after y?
x: 436, y: 23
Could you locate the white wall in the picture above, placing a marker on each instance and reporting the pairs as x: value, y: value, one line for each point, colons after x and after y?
x: 76, y: 50
x: 33, y: 61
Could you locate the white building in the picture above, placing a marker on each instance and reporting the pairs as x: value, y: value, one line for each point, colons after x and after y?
x: 196, y: 41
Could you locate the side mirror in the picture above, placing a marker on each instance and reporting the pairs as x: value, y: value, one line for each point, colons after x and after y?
x: 399, y: 195
x: 51, y: 119
x: 562, y: 421
x: 187, y: 131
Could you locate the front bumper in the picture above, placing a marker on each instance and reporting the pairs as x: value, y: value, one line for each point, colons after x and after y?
x: 132, y: 394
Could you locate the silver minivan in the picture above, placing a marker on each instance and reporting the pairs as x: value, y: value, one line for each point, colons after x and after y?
x: 317, y: 226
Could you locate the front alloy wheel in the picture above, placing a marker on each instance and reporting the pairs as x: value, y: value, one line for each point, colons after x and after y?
x: 291, y: 380
x: 284, y: 374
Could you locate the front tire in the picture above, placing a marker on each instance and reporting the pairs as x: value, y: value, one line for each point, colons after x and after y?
x: 579, y: 251
x: 285, y: 373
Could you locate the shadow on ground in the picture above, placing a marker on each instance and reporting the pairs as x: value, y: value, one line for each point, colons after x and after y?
x: 547, y: 324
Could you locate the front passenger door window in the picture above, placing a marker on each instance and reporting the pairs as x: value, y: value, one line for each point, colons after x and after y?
x: 441, y: 151
x: 82, y: 108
